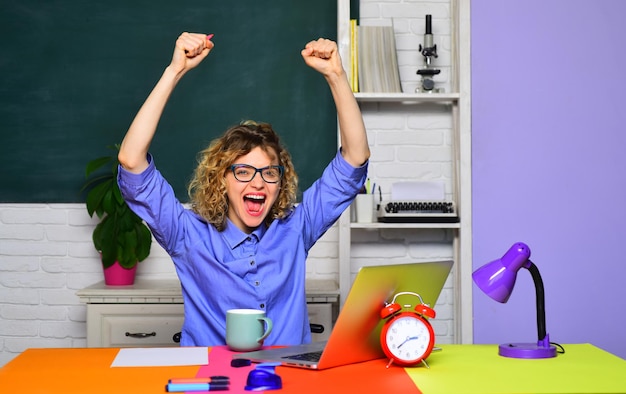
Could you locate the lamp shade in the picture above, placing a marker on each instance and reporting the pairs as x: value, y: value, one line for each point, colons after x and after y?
x: 497, y: 278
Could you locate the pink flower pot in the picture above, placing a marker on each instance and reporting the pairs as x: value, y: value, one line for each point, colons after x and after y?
x: 116, y: 275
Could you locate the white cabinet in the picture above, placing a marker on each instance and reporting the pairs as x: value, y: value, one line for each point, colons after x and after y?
x: 150, y: 312
x: 455, y: 104
x: 146, y: 314
x: 134, y: 325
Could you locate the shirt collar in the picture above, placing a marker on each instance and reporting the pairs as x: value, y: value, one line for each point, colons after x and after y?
x: 234, y: 236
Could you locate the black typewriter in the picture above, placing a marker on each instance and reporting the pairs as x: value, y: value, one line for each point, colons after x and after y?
x: 418, y: 212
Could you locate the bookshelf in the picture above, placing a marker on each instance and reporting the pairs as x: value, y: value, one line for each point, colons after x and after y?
x: 456, y: 102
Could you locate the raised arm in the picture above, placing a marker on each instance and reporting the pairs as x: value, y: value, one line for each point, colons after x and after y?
x: 323, y: 56
x: 190, y: 50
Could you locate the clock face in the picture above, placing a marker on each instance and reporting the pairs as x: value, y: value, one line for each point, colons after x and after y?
x: 408, y: 338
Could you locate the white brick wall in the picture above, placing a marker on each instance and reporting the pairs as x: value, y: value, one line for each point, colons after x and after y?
x: 46, y: 253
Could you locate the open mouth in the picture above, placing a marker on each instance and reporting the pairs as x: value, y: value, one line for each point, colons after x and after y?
x: 254, y: 203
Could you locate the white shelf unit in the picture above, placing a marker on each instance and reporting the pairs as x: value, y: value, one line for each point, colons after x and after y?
x: 408, y: 98
x: 458, y: 105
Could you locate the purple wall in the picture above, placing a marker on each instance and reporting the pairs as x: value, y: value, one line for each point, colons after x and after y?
x: 549, y: 165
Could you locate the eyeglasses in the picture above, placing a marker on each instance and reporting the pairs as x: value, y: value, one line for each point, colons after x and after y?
x: 246, y: 173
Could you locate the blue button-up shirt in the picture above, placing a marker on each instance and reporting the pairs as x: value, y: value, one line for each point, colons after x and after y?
x: 226, y: 270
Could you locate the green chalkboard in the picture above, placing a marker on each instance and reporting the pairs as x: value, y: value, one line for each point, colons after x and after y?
x: 75, y: 72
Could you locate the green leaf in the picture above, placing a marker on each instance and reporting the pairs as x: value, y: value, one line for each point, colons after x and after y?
x: 104, y: 239
x: 96, y: 180
x: 96, y: 164
x: 117, y: 194
x: 108, y: 258
x: 122, y: 257
x: 144, y: 241
x: 108, y: 203
x: 95, y: 198
x: 97, y: 237
x: 128, y: 258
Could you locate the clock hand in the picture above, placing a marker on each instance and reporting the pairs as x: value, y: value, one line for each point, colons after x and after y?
x: 406, y: 340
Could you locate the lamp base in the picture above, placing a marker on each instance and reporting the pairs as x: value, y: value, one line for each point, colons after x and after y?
x: 527, y: 350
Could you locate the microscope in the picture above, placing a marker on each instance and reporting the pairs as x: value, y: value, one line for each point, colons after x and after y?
x: 429, y: 51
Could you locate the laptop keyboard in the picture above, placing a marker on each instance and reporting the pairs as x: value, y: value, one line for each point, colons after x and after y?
x: 312, y: 356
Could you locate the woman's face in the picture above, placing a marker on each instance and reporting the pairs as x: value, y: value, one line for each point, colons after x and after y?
x: 250, y: 202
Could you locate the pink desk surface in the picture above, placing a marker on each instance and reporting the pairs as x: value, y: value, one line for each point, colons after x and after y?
x: 457, y: 369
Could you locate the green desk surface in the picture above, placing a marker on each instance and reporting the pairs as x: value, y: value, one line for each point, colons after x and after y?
x: 583, y: 368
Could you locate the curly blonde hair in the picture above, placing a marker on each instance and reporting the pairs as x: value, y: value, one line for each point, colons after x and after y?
x: 207, y: 188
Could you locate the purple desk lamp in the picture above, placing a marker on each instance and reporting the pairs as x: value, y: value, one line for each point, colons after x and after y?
x: 497, y: 279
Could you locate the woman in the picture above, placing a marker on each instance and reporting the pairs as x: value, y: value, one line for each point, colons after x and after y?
x: 244, y: 242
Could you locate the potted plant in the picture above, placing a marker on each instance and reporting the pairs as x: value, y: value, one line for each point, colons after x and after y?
x: 121, y: 237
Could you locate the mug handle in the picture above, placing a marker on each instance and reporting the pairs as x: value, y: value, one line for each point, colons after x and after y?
x: 268, y: 328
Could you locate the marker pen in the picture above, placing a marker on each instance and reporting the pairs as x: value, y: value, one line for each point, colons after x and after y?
x: 209, y: 379
x: 182, y: 387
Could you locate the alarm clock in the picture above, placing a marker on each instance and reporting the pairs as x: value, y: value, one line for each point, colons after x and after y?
x: 407, y: 338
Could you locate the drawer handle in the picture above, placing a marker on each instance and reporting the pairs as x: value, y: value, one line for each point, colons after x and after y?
x: 176, y: 337
x: 140, y: 334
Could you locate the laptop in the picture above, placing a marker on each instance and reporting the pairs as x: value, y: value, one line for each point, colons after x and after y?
x: 356, y: 334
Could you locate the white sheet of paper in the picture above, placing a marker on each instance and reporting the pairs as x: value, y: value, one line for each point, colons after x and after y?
x: 411, y: 191
x: 161, y: 357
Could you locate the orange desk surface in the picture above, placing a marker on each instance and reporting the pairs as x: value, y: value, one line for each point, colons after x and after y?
x: 457, y: 369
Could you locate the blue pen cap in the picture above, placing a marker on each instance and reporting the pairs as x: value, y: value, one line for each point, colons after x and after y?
x: 264, y: 377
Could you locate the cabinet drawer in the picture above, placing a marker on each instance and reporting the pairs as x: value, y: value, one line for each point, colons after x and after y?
x: 321, y: 314
x: 152, y: 325
x: 133, y: 325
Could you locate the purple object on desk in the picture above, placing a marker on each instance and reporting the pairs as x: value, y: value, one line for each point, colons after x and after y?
x: 497, y: 280
x: 264, y: 378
